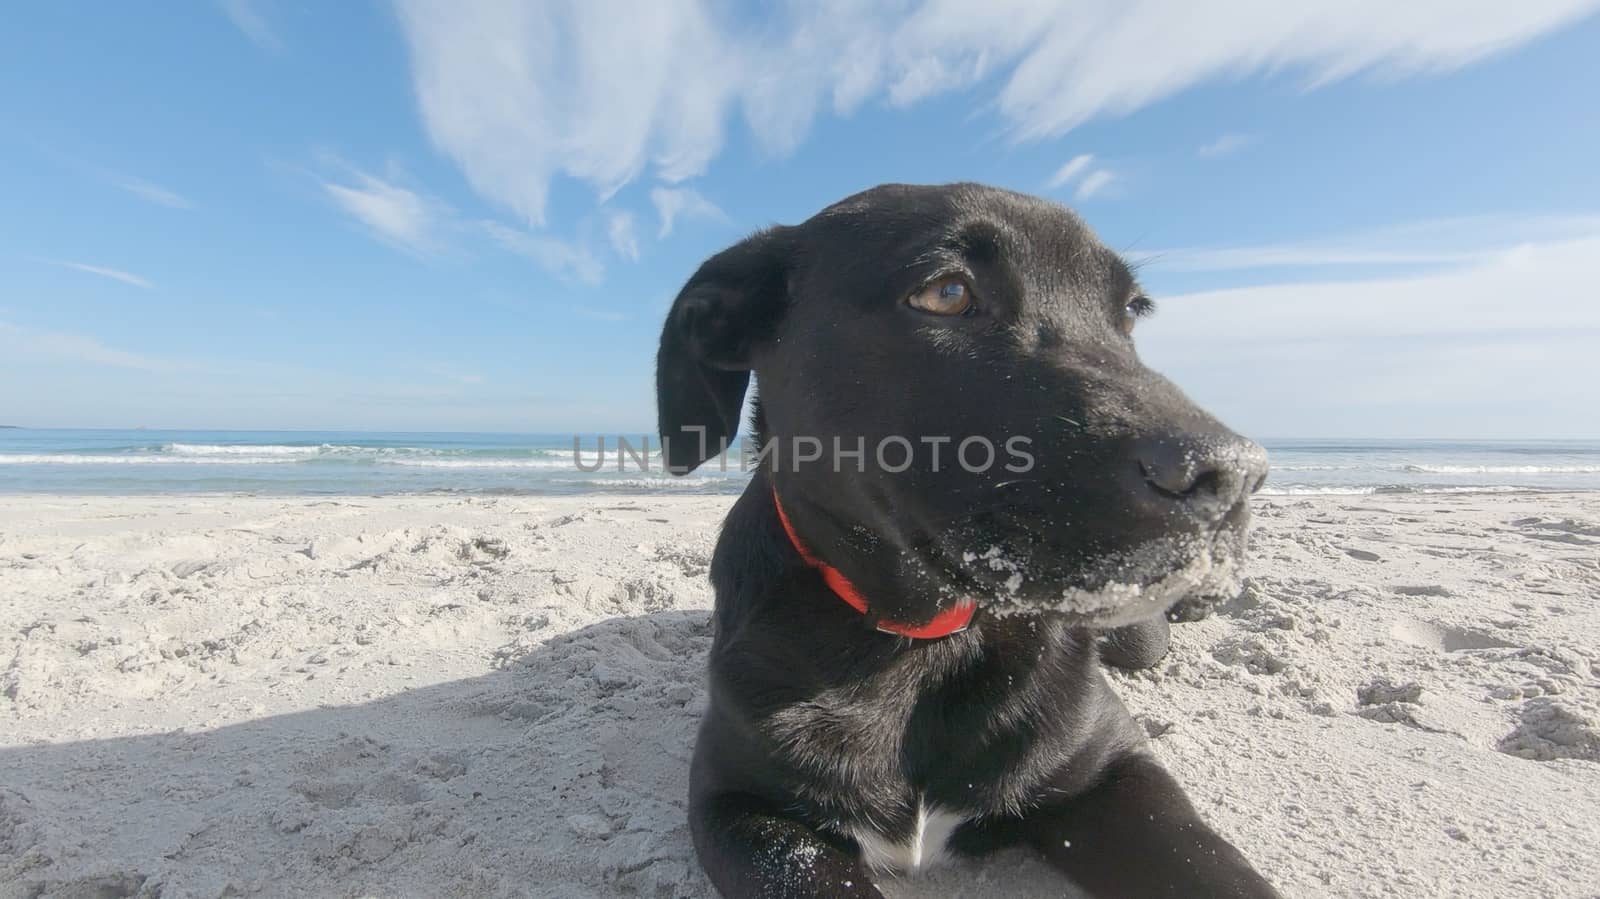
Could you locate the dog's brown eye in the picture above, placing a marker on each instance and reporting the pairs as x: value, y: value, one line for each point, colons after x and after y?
x: 950, y: 295
x: 1137, y: 308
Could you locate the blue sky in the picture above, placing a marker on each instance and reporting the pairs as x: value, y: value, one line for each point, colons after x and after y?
x: 427, y: 216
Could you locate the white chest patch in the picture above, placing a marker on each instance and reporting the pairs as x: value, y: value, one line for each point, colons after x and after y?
x: 924, y: 848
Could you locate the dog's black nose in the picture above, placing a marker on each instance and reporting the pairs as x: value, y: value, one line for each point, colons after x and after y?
x: 1207, y: 475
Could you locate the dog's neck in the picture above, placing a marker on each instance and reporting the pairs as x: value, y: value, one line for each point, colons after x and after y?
x: 948, y: 621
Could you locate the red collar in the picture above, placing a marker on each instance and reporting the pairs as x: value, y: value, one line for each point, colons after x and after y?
x: 953, y: 620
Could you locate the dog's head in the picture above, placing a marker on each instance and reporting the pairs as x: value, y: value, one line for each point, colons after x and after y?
x: 976, y: 347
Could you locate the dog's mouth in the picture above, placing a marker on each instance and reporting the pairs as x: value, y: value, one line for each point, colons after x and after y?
x: 1134, y: 586
x: 1107, y: 590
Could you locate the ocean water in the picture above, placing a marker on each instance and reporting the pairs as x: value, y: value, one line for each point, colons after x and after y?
x: 303, y: 462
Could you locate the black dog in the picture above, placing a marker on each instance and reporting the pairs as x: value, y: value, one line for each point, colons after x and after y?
x: 905, y: 657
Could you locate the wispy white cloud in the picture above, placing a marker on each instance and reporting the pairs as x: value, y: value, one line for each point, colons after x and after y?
x: 619, y: 228
x: 421, y: 224
x: 1073, y: 167
x: 155, y: 193
x: 1472, y: 298
x: 566, y: 259
x: 104, y: 272
x: 1438, y: 242
x: 521, y: 93
x: 1094, y: 182
x: 35, y: 345
x: 1226, y: 145
x: 247, y: 17
x: 674, y: 203
x: 1397, y: 356
x: 393, y: 213
x: 139, y: 187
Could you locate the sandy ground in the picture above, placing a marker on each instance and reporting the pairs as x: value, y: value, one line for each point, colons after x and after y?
x: 433, y: 696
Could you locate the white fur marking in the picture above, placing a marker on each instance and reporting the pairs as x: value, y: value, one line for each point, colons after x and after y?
x: 923, y: 848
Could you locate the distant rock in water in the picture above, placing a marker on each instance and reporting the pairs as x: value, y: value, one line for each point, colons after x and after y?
x: 10, y: 427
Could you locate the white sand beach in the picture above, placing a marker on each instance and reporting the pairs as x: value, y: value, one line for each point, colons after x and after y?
x: 438, y: 696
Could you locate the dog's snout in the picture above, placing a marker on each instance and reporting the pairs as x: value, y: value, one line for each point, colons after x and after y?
x: 1208, y: 475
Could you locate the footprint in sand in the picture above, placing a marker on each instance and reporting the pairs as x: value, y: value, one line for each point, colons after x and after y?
x: 1444, y: 637
x: 1563, y: 530
x: 1423, y: 590
x: 1549, y: 730
x: 1386, y: 702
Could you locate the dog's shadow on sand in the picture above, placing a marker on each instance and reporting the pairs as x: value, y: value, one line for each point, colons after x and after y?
x: 563, y: 774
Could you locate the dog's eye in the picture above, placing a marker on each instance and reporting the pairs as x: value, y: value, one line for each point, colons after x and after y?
x: 1137, y: 308
x: 950, y: 295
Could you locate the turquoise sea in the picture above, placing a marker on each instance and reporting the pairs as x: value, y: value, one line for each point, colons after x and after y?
x: 335, y: 462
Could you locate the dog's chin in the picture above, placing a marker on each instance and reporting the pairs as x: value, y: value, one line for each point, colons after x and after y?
x: 1114, y: 590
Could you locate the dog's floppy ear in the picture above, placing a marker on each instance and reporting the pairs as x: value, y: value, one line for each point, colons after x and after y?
x: 732, y: 303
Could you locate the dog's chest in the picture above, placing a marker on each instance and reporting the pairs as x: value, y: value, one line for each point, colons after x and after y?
x: 868, y: 773
x: 900, y: 758
x: 923, y: 847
